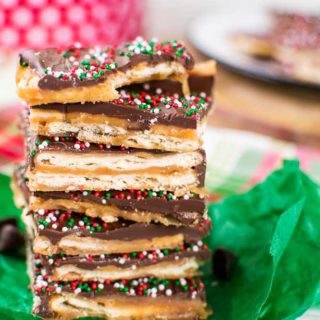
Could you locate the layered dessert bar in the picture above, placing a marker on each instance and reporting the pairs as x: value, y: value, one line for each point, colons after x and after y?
x: 152, y: 115
x: 112, y: 189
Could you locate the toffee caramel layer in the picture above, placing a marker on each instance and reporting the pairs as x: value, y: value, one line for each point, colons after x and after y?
x: 69, y: 306
x: 137, y: 205
x: 51, y: 156
x: 185, y: 267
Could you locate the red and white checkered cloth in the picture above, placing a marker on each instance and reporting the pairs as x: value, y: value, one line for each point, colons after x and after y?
x: 59, y: 23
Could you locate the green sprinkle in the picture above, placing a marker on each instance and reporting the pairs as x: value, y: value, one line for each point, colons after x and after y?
x: 96, y: 75
x: 37, y: 143
x: 24, y: 64
x: 129, y: 54
x: 65, y: 55
x: 32, y: 153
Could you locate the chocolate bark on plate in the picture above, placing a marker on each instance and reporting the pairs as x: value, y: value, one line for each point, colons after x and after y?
x: 71, y: 233
x: 292, y: 40
x: 139, y: 298
x: 153, y: 115
x: 138, y: 205
x: 94, y: 74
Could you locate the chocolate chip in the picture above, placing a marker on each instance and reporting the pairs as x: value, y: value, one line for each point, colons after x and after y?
x: 10, y: 239
x: 223, y: 263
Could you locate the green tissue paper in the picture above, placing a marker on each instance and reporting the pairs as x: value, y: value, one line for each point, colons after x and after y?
x: 274, y: 230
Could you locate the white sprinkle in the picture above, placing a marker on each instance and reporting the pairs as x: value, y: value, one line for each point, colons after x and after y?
x: 183, y: 281
x: 77, y: 146
x: 41, y: 212
x: 64, y: 229
x: 122, y: 260
x: 45, y: 143
x: 150, y: 256
x: 168, y: 292
x: 156, y: 110
x: 51, y: 261
x: 195, y: 248
x: 77, y: 291
x: 132, y: 292
x: 146, y: 86
x: 186, y: 197
x: 40, y: 147
x: 203, y: 95
x: 200, y: 243
x: 137, y: 101
x: 161, y: 287
x: 104, y: 201
x: 41, y: 226
x: 100, y: 286
x: 58, y: 289
x: 133, y: 267
x: 87, y: 144
x: 153, y: 295
x: 54, y: 226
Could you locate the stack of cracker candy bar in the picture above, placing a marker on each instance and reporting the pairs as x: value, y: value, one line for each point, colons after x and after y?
x: 112, y: 189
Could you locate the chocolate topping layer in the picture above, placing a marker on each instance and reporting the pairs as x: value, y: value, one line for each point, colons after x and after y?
x: 162, y: 96
x: 198, y: 251
x: 76, y: 67
x: 55, y: 225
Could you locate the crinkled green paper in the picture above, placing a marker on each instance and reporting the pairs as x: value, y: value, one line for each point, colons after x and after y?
x: 274, y: 229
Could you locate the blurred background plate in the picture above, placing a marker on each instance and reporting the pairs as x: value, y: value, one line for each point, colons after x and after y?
x: 211, y: 34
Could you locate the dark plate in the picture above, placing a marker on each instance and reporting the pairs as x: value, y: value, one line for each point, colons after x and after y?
x: 211, y: 35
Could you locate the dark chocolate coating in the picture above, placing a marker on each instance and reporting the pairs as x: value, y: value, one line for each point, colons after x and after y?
x: 52, y: 58
x: 112, y: 260
x: 123, y: 230
x: 141, y: 119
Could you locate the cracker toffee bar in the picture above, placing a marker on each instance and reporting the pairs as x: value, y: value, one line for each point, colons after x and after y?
x: 94, y: 74
x: 154, y: 115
